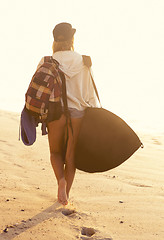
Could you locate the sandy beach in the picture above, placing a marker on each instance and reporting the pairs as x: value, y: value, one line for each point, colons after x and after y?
x: 126, y: 203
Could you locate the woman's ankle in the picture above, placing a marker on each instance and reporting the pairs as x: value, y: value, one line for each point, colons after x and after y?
x: 62, y: 195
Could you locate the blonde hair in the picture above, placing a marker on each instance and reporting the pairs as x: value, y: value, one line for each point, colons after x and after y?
x: 63, y: 46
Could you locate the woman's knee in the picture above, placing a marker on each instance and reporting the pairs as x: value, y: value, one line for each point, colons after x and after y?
x: 55, y: 156
x: 70, y: 162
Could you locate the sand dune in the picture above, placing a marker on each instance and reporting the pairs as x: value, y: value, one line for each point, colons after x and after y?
x: 126, y: 203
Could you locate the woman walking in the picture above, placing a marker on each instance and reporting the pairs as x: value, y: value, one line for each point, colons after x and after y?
x: 80, y: 95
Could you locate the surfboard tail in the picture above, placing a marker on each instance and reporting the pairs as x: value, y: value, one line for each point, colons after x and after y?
x: 105, y: 141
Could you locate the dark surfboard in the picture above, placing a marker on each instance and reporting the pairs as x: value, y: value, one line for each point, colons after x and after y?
x: 105, y: 141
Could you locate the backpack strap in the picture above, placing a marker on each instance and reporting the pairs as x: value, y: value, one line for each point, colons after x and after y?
x: 88, y: 62
x: 64, y: 93
x: 64, y: 97
x: 95, y: 88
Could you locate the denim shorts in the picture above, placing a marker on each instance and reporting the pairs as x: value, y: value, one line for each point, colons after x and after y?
x: 55, y: 111
x: 74, y: 113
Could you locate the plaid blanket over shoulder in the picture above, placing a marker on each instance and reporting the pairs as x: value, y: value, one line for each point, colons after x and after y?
x: 45, y: 82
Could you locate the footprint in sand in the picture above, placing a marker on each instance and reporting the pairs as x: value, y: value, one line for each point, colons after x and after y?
x: 68, y: 212
x: 88, y: 231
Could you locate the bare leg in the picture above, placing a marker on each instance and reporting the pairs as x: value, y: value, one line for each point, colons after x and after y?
x: 64, y: 176
x: 56, y: 130
x: 70, y: 161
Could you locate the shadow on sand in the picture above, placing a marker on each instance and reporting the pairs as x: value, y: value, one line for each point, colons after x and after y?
x: 17, y: 229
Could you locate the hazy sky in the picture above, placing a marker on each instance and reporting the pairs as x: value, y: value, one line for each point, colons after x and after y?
x: 125, y: 39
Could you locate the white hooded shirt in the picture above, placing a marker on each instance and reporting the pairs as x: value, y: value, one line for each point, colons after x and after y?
x: 79, y: 86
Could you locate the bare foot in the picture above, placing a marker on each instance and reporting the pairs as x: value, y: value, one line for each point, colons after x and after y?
x: 62, y: 196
